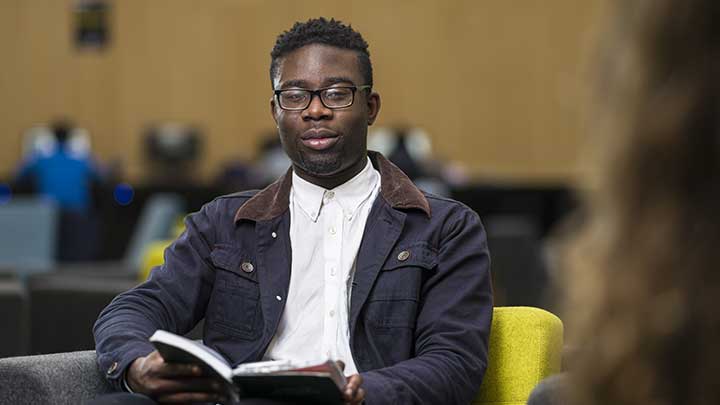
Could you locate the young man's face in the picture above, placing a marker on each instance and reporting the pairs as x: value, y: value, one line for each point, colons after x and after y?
x: 327, y: 146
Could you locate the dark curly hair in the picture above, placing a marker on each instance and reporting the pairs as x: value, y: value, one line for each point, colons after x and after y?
x: 322, y: 31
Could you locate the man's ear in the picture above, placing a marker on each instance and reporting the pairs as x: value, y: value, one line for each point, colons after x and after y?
x: 373, y: 105
x: 273, y: 110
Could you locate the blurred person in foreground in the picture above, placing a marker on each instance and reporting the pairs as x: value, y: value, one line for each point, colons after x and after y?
x: 341, y: 258
x: 643, y: 283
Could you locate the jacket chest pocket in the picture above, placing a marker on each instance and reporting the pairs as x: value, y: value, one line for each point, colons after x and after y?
x: 234, y: 307
x: 394, y: 299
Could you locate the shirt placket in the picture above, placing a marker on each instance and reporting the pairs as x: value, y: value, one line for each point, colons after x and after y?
x: 334, y: 283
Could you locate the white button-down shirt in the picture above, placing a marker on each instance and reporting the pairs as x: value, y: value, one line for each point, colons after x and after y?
x: 326, y: 228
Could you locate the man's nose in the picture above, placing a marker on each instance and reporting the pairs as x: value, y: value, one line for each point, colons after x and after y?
x: 316, y: 110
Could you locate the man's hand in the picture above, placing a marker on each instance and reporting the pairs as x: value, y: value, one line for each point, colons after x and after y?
x: 352, y: 393
x: 171, y: 382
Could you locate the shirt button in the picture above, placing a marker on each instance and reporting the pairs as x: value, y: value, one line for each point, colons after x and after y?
x: 247, y: 267
x: 328, y: 353
x: 274, y: 235
x: 332, y: 271
x: 279, y: 298
x: 404, y: 255
x: 330, y: 195
x: 332, y: 230
x: 112, y: 368
x: 332, y: 313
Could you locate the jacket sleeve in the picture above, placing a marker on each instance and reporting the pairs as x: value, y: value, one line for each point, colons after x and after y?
x: 452, y: 329
x: 173, y: 298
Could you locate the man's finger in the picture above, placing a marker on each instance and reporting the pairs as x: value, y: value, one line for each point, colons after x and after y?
x: 352, y: 387
x: 191, y: 397
x: 178, y: 370
x: 359, y: 397
x: 164, y: 386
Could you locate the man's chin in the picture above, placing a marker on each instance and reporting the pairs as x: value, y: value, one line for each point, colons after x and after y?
x: 322, y: 166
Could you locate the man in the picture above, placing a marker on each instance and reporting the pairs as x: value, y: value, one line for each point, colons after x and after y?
x: 343, y: 257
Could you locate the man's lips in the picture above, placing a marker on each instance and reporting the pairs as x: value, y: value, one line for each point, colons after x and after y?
x: 319, y: 139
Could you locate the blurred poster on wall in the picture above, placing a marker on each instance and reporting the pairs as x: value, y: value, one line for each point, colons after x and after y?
x: 91, y: 21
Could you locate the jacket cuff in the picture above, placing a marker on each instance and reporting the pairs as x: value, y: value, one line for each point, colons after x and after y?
x: 125, y: 385
x: 114, y: 365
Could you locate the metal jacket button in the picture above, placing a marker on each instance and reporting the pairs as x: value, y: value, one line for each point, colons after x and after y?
x: 404, y: 255
x: 247, y: 267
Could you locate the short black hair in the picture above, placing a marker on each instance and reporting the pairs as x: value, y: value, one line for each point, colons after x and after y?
x: 322, y: 31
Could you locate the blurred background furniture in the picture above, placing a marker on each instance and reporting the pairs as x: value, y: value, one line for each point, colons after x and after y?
x: 157, y: 221
x: 525, y: 347
x: 27, y: 235
x: 14, y: 317
x: 64, y: 307
x: 519, y: 269
x: 61, y: 378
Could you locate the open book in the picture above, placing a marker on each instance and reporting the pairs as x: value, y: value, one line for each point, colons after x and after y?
x: 316, y: 383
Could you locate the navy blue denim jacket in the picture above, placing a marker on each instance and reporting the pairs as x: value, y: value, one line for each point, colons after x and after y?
x: 421, y: 303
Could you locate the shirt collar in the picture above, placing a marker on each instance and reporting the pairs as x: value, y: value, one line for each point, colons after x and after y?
x: 357, y: 190
x: 396, y: 188
x: 307, y: 196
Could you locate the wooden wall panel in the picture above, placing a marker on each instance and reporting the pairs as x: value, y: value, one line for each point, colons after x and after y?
x: 494, y: 82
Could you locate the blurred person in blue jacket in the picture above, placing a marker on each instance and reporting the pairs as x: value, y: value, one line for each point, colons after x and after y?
x: 59, y: 166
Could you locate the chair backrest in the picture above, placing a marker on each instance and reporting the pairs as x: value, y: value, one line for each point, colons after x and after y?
x: 64, y: 307
x: 519, y: 271
x: 525, y: 347
x: 28, y: 229
x: 156, y: 222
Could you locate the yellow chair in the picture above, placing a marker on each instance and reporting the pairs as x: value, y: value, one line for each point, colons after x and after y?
x: 525, y: 347
x: 154, y: 254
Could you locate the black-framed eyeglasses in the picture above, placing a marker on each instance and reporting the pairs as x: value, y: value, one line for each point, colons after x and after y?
x: 331, y: 97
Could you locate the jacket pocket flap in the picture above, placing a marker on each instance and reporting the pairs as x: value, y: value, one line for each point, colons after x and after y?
x: 229, y: 258
x: 418, y: 254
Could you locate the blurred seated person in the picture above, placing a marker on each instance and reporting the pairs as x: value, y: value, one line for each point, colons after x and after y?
x: 172, y: 151
x: 270, y: 164
x: 644, y: 282
x: 410, y: 149
x: 58, y: 166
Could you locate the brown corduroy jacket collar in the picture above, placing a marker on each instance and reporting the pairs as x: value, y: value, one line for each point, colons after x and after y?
x: 395, y: 187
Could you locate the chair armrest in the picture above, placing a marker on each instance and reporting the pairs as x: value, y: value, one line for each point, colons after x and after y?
x: 61, y: 378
